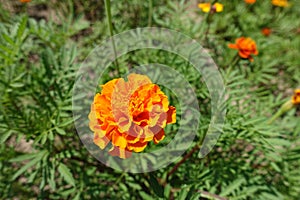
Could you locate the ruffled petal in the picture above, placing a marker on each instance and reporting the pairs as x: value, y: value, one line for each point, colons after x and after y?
x: 138, y: 146
x: 120, y: 152
x: 101, y: 142
x: 218, y: 7
x: 205, y: 7
x: 118, y: 140
x: 171, y: 115
x: 232, y: 46
x: 159, y: 136
x: 244, y: 54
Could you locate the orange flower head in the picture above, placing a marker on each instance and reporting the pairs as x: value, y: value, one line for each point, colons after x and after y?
x: 246, y: 47
x: 296, y: 97
x: 280, y: 3
x: 130, y: 115
x: 25, y: 1
x: 266, y: 31
x: 207, y: 7
x: 250, y: 1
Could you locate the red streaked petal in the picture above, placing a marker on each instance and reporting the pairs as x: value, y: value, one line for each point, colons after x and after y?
x: 171, y: 115
x: 159, y: 136
x: 101, y: 142
x: 120, y: 152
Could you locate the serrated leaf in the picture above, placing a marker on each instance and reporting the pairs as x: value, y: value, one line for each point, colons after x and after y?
x: 34, y: 161
x: 21, y: 28
x: 77, y: 197
x: 67, y: 122
x: 145, y: 196
x: 135, y: 186
x: 275, y: 166
x: 23, y: 157
x: 278, y: 141
x: 60, y: 131
x: 67, y: 192
x: 183, y: 193
x: 32, y: 176
x: 66, y: 174
x: 16, y: 85
x: 5, y: 136
x: 51, y: 180
x: 233, y: 186
x: 8, y: 39
x: 157, y: 188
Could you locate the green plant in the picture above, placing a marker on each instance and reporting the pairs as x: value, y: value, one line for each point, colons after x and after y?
x: 42, y: 155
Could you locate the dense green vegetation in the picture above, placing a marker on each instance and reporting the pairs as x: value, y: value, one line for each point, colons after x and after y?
x: 43, y: 43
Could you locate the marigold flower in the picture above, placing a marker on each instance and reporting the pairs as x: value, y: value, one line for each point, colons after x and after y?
x: 250, y: 1
x: 266, y: 31
x: 280, y: 3
x: 206, y: 7
x: 130, y: 115
x: 246, y: 47
x: 296, y: 97
x: 25, y: 1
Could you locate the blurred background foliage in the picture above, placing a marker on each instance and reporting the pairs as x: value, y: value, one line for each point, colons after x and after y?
x: 42, y: 44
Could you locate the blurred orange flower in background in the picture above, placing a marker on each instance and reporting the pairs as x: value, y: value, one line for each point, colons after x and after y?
x: 250, y: 1
x: 206, y: 7
x: 266, y: 31
x: 296, y: 97
x: 246, y: 47
x: 25, y: 1
x: 280, y: 3
x: 130, y: 115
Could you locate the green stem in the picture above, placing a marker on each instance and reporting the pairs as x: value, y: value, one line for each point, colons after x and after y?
x: 109, y: 22
x: 277, y: 114
x: 284, y: 108
x: 208, y: 21
x: 118, y: 180
x: 235, y: 60
x: 150, y: 13
x: 195, y: 148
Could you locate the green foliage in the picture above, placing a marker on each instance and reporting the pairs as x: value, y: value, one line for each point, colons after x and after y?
x: 41, y: 155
